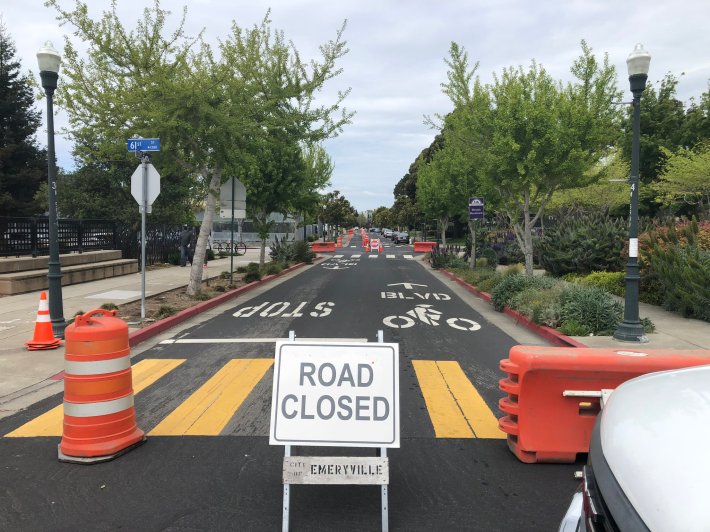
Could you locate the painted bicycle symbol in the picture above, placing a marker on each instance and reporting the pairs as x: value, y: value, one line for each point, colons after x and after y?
x: 428, y: 315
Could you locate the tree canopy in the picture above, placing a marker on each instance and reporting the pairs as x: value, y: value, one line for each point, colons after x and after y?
x: 23, y: 166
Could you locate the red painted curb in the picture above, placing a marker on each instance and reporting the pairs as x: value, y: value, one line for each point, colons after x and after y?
x: 548, y: 333
x: 156, y: 328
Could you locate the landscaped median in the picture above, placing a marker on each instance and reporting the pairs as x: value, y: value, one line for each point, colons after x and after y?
x: 158, y: 327
x: 550, y: 307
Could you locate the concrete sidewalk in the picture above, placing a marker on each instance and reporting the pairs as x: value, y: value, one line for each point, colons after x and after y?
x: 20, y: 368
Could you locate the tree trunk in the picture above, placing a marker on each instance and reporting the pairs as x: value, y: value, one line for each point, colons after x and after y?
x: 198, y: 258
x: 472, y: 230
x: 444, y: 224
x: 262, y: 253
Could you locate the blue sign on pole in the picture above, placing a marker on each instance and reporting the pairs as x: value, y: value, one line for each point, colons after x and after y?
x: 475, y: 208
x: 143, y: 144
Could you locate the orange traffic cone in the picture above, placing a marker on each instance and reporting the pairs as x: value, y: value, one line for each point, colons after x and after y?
x: 43, y: 337
x: 381, y: 248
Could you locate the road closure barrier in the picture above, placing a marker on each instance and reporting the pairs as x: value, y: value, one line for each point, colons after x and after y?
x: 99, y: 416
x: 424, y: 247
x: 322, y: 246
x: 339, y: 243
x: 553, y: 393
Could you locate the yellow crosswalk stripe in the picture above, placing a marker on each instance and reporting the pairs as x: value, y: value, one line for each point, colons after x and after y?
x: 207, y: 411
x: 144, y: 373
x: 455, y: 407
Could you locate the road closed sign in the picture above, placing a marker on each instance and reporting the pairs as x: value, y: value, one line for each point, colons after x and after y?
x: 335, y: 394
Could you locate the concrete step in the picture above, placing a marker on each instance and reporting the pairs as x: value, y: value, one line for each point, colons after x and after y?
x: 33, y: 280
x: 21, y: 264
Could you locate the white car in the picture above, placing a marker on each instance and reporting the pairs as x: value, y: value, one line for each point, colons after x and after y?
x: 649, y: 458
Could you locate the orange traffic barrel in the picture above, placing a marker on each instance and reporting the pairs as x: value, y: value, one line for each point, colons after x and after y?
x: 99, y: 416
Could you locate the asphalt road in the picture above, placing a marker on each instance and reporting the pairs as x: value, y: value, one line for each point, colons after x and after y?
x: 204, y: 402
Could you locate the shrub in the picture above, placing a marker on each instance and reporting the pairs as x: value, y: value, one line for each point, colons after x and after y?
x: 678, y: 259
x: 489, y: 283
x: 513, y: 284
x: 273, y: 268
x: 164, y: 311
x: 490, y: 255
x: 109, y: 306
x: 210, y: 254
x: 541, y: 305
x: 447, y: 257
x: 281, y: 250
x: 573, y: 328
x: 240, y: 269
x: 583, y: 244
x: 202, y: 296
x: 612, y: 282
x: 302, y: 252
x: 475, y: 277
x: 590, y: 306
x: 174, y: 258
x: 482, y: 262
x: 252, y: 276
x: 252, y: 267
x: 220, y: 288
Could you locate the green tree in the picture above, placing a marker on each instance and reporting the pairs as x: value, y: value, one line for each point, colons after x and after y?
x: 214, y: 116
x: 336, y: 211
x: 544, y: 136
x: 318, y: 172
x: 382, y: 217
x: 23, y: 166
x: 686, y: 178
x: 662, y: 127
x: 404, y: 212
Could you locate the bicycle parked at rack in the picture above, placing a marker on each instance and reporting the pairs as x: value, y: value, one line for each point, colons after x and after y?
x: 238, y: 248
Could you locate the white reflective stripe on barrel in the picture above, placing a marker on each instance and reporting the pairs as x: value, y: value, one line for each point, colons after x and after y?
x: 102, y: 408
x: 97, y: 367
x: 41, y: 318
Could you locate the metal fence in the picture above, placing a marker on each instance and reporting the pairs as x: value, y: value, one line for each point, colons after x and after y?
x: 30, y: 236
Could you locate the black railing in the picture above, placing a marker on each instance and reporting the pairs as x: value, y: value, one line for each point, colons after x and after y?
x: 30, y: 236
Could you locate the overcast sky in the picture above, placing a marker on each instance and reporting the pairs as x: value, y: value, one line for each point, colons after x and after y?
x: 396, y: 61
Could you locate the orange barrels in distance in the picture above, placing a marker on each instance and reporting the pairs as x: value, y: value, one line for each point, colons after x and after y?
x: 99, y: 417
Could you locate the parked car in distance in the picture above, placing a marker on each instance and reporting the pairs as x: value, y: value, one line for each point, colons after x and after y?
x: 375, y: 230
x: 387, y: 233
x: 648, y: 464
x: 401, y: 238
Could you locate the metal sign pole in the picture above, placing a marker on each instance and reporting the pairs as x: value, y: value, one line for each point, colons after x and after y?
x: 287, y: 453
x: 383, y: 454
x: 231, y: 253
x: 144, y: 209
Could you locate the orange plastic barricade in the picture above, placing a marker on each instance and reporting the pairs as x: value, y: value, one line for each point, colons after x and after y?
x: 545, y: 420
x: 424, y: 247
x: 99, y: 417
x: 339, y: 243
x: 365, y: 241
x: 323, y: 246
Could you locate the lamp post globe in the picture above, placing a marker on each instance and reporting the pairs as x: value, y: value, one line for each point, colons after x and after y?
x: 49, y: 61
x: 631, y: 329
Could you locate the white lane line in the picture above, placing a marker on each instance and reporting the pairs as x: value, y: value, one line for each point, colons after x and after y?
x: 338, y: 256
x: 410, y: 257
x: 353, y: 246
x: 374, y: 256
x: 356, y: 256
x: 256, y: 340
x: 390, y: 256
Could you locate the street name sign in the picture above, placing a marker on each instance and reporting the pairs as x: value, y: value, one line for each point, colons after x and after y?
x: 475, y: 208
x: 335, y: 394
x: 143, y: 144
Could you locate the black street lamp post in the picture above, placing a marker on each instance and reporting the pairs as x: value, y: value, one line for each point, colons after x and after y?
x: 49, y: 61
x: 631, y: 329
